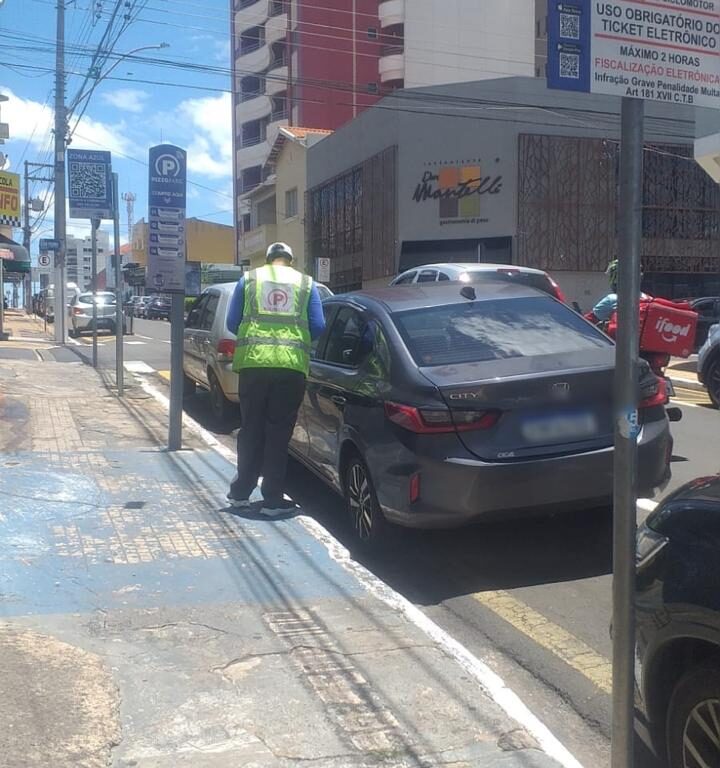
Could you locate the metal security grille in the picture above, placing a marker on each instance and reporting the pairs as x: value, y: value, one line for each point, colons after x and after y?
x: 566, y: 202
x: 567, y: 207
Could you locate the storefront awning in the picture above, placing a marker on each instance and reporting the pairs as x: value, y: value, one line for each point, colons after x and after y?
x: 20, y: 261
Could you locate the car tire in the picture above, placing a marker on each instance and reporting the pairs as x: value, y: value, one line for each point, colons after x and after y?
x: 697, y: 691
x: 189, y: 386
x: 72, y: 333
x: 368, y: 522
x: 712, y: 381
x: 222, y: 408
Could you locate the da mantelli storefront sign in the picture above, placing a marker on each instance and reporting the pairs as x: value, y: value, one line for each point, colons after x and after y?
x: 458, y: 190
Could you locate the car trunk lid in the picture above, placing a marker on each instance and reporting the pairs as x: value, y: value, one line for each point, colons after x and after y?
x: 544, y: 405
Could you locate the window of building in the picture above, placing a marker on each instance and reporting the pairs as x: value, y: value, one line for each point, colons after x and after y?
x: 372, y: 33
x: 291, y: 203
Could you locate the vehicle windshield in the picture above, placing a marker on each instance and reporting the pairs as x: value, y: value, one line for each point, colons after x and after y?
x: 102, y: 298
x: 491, y: 330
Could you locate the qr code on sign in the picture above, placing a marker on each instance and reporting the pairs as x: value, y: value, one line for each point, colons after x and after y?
x: 570, y: 26
x: 88, y: 180
x: 570, y: 65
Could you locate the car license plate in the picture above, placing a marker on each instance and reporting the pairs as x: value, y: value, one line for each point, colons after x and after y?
x: 558, y: 428
x: 669, y: 388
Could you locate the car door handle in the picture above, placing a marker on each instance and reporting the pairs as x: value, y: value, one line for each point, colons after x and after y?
x: 339, y: 400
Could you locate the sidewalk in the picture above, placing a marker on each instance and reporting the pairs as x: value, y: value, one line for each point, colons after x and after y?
x: 144, y: 624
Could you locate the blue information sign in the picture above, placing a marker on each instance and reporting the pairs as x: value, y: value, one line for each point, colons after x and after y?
x: 568, y: 30
x: 89, y: 184
x: 168, y: 172
x: 166, y: 218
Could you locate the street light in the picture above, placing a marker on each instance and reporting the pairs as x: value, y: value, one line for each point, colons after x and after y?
x: 88, y: 92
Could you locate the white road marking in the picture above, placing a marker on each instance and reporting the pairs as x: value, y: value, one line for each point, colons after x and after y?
x: 489, y: 681
x: 140, y: 336
x: 135, y: 342
x: 138, y: 366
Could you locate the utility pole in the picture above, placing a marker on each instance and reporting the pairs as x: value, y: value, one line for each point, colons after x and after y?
x: 26, y: 239
x: 119, y: 317
x: 59, y: 162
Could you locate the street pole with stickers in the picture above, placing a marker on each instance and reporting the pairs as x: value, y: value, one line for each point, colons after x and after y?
x: 167, y: 181
x: 591, y: 49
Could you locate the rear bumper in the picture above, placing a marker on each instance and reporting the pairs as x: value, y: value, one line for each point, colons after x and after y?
x: 458, y: 491
x: 228, y: 380
x: 85, y: 322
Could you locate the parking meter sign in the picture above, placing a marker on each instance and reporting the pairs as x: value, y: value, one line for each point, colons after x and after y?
x: 44, y: 260
x: 167, y: 168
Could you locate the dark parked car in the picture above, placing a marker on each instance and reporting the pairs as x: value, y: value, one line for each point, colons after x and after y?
x: 435, y: 407
x: 708, y: 364
x: 158, y: 308
x: 678, y: 602
x: 708, y: 310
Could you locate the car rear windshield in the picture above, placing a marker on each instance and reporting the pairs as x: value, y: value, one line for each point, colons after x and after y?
x: 490, y: 330
x: 102, y: 298
x: 527, y: 279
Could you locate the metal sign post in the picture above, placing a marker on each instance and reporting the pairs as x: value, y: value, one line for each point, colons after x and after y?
x: 90, y: 197
x: 627, y: 429
x: 94, y: 224
x: 119, y: 315
x: 166, y: 261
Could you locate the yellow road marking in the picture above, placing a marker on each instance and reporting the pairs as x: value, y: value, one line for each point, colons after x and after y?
x: 568, y: 648
x: 164, y: 374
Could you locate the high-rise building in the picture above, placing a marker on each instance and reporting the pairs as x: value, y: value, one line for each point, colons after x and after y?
x: 78, y: 258
x: 318, y: 63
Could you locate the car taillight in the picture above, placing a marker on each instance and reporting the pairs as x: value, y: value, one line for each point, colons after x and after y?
x: 658, y: 396
x: 77, y: 311
x: 414, y: 488
x: 557, y: 291
x: 426, y: 421
x: 226, y: 348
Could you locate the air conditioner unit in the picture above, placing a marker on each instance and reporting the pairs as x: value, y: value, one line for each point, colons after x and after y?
x: 707, y: 155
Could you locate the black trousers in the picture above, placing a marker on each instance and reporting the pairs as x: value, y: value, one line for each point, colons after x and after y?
x: 270, y: 399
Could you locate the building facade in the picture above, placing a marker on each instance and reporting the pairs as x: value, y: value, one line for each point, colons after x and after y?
x: 277, y: 206
x: 78, y: 258
x: 320, y: 63
x: 533, y: 182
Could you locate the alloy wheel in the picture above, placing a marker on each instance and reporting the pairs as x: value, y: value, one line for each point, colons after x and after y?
x: 361, y: 501
x: 701, y: 736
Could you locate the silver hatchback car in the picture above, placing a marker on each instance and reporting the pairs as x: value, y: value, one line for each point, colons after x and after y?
x: 208, y: 349
x: 81, y: 313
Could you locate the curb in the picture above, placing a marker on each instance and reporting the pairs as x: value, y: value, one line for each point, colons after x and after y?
x: 692, y: 384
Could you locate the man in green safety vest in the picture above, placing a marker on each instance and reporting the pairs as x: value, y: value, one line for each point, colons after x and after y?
x: 275, y: 312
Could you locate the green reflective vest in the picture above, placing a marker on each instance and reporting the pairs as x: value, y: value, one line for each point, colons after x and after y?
x: 274, y: 332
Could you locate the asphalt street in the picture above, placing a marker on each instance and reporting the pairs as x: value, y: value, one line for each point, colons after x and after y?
x: 533, y: 598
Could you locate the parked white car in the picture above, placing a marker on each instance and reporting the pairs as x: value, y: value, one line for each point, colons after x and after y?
x: 481, y: 273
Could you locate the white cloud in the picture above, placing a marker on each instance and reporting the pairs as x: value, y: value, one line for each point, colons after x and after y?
x: 210, y: 148
x: 127, y: 99
x: 33, y: 122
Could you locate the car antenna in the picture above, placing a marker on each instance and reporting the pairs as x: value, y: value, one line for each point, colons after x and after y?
x: 468, y: 292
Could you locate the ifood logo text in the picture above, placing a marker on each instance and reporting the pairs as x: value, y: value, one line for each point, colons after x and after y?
x: 671, y: 332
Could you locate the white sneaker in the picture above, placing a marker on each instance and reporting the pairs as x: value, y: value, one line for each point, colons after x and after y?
x: 277, y: 510
x: 238, y: 503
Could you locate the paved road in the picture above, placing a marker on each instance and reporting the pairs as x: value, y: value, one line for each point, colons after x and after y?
x: 532, y: 597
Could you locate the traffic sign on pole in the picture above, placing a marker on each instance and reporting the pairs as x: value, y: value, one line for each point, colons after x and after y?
x: 89, y: 184
x: 44, y: 260
x: 166, y: 218
x: 47, y: 244
x: 167, y: 169
x: 664, y: 51
x: 660, y: 51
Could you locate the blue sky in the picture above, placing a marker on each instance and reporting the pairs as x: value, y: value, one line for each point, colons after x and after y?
x: 126, y: 114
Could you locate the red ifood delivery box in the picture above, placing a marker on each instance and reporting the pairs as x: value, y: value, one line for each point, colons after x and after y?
x: 665, y: 326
